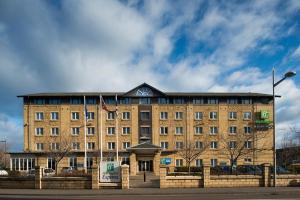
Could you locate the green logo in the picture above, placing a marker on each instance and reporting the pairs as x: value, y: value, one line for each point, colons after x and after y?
x: 264, y: 114
x: 110, y: 167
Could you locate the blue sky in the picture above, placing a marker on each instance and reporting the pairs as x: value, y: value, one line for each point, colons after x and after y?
x: 220, y: 46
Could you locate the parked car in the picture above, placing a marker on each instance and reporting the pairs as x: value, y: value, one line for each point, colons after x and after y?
x: 3, y: 172
x: 49, y: 172
x: 249, y: 169
x: 68, y: 170
x: 31, y: 172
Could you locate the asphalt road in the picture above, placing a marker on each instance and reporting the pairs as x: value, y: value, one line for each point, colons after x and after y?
x: 156, y: 194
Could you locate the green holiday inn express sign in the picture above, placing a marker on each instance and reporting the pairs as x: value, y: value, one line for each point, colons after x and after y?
x: 264, y: 117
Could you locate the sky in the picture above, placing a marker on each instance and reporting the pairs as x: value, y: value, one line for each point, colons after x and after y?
x: 191, y: 46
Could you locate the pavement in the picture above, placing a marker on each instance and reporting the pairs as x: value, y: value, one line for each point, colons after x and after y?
x: 288, y: 193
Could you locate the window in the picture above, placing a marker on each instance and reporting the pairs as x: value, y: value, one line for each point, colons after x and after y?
x: 248, y: 144
x: 91, y: 100
x: 179, y: 130
x: 125, y: 100
x: 213, y: 130
x: 178, y: 115
x: 247, y: 160
x: 213, y: 162
x: 39, y: 116
x: 163, y: 100
x: 75, y: 145
x: 232, y: 115
x: 75, y: 130
x: 126, y: 130
x: 232, y: 129
x: 89, y: 162
x: 145, y: 115
x: 178, y: 101
x: 54, y: 116
x: 111, y: 145
x: 126, y: 115
x: 110, y: 115
x: 213, y: 115
x: 247, y: 101
x: 90, y: 145
x: 232, y: 101
x: 198, y: 115
x: 39, y: 131
x: 75, y: 116
x: 179, y: 162
x: 179, y: 145
x: 163, y: 115
x: 75, y: 101
x: 90, y: 130
x: 125, y: 160
x: 212, y: 101
x: 199, y: 162
x: 145, y: 131
x: 90, y: 115
x: 214, y: 145
x: 163, y: 130
x: 247, y: 129
x: 51, y: 163
x: 247, y: 115
x: 199, y: 145
x: 54, y: 131
x: 39, y: 101
x: 164, y: 145
x: 54, y: 146
x: 39, y: 146
x: 232, y: 144
x: 198, y: 130
x: 111, y: 130
x: 126, y: 145
x: 73, y: 162
x: 54, y: 101
x: 198, y: 101
x: 144, y: 100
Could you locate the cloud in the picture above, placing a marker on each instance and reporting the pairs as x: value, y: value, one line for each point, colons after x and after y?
x: 296, y: 53
x: 116, y: 45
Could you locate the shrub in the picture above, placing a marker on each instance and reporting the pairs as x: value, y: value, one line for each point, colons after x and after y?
x: 186, y: 169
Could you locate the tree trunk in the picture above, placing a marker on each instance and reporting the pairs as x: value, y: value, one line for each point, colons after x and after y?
x: 56, y: 170
x: 189, y: 167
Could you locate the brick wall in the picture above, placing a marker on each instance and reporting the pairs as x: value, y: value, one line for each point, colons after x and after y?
x: 17, y: 182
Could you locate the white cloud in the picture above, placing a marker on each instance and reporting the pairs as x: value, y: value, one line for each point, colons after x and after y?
x: 296, y: 53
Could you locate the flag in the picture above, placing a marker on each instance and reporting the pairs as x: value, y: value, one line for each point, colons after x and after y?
x: 116, y: 105
x: 86, y: 113
x: 104, y: 107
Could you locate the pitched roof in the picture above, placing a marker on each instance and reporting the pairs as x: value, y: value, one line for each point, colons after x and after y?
x: 145, y: 146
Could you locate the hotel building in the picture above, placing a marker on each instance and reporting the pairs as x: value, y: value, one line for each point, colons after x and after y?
x: 150, y: 128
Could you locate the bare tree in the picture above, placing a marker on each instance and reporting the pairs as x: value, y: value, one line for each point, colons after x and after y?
x: 59, y: 148
x: 192, y: 151
x: 238, y: 145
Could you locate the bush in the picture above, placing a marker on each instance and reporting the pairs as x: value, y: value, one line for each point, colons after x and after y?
x: 14, y: 173
x: 74, y: 173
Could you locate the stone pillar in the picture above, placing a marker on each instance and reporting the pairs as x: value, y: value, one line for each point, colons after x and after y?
x: 156, y: 163
x: 266, y: 175
x: 206, y: 175
x: 125, y: 176
x: 95, y: 177
x: 38, y: 177
x: 162, y: 176
x: 132, y: 159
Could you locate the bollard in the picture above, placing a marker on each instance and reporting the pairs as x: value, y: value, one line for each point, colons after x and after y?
x: 144, y: 176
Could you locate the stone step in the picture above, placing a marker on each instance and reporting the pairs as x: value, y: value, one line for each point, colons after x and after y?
x: 142, y: 184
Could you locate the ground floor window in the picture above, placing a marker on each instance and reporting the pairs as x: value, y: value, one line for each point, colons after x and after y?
x: 213, y: 162
x: 89, y: 162
x: 179, y: 163
x: 199, y: 162
x: 125, y: 161
x: 51, y: 163
x: 73, y: 162
x: 22, y: 164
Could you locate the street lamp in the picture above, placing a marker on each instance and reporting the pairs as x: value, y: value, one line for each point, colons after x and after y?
x: 286, y: 75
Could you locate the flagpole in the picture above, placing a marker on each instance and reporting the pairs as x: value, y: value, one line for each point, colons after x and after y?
x: 117, y: 130
x: 85, y: 113
x: 101, y: 139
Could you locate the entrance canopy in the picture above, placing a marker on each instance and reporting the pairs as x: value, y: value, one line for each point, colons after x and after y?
x: 144, y: 148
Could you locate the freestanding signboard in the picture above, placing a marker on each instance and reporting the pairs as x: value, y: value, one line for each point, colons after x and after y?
x: 109, y: 172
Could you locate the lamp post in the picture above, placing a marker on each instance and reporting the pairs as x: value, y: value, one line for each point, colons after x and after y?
x: 286, y: 75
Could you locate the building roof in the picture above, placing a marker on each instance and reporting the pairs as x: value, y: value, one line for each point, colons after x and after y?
x: 188, y: 94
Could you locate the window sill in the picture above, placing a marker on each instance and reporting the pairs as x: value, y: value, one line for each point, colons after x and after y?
x: 53, y: 120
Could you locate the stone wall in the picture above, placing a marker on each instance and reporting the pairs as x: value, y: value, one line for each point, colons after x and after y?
x: 235, y: 181
x: 66, y: 183
x: 17, y: 182
x: 287, y: 180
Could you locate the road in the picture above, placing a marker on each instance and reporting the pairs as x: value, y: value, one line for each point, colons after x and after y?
x: 156, y: 194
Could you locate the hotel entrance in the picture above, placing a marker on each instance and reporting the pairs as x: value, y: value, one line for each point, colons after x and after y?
x: 145, y: 165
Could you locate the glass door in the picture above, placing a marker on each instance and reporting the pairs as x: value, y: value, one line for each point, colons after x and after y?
x: 145, y: 165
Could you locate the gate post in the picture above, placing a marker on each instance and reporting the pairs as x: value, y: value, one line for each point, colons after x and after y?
x: 125, y: 177
x: 95, y: 177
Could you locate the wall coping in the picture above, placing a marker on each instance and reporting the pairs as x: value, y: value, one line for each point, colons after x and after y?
x: 278, y: 176
x: 66, y: 178
x: 235, y: 177
x: 183, y: 177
